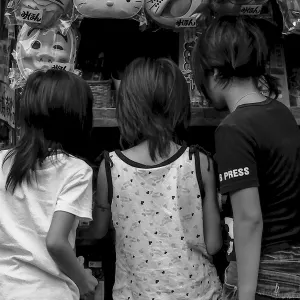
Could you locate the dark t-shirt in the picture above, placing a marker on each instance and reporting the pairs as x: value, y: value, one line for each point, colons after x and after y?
x: 258, y: 145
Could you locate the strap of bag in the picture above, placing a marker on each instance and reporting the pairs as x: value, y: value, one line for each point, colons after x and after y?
x: 108, y: 165
x: 195, y: 150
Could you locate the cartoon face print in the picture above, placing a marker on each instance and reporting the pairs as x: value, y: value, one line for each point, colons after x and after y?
x: 167, y: 12
x: 37, y: 49
x: 116, y: 9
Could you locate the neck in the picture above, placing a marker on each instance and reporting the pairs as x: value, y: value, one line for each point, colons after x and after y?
x: 242, y: 93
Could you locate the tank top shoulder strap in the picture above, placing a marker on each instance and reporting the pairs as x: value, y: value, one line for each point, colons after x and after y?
x: 196, y: 150
x: 108, y: 165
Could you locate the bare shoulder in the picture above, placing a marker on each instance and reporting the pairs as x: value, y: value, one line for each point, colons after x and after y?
x: 206, y: 166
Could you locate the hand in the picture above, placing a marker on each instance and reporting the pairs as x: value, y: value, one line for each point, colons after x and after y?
x: 90, y: 285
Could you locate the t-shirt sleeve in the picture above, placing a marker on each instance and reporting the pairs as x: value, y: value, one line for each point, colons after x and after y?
x: 235, y: 158
x: 76, y: 196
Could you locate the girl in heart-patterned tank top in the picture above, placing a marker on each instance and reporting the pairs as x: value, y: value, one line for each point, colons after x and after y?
x: 160, y: 194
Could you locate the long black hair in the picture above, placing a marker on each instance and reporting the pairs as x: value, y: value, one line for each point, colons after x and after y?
x: 153, y: 104
x: 236, y: 47
x: 55, y: 116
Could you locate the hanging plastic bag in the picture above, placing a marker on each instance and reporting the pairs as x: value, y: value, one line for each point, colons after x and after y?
x: 290, y: 10
x: 41, y: 14
x: 175, y: 13
x: 261, y: 9
x: 112, y: 9
x: 43, y: 49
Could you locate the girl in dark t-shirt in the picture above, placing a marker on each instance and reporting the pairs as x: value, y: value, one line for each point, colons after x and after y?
x: 258, y: 157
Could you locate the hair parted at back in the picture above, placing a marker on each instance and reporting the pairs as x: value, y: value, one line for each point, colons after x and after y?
x: 55, y: 115
x: 236, y: 47
x: 153, y: 104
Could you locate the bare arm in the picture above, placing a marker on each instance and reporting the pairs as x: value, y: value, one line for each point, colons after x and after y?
x: 211, y: 212
x: 248, y: 227
x: 62, y: 253
x: 102, y: 212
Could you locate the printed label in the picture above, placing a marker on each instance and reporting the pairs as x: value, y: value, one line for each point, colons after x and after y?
x: 186, y: 22
x: 60, y: 66
x: 234, y: 173
x: 95, y: 264
x: 250, y: 10
x: 31, y: 15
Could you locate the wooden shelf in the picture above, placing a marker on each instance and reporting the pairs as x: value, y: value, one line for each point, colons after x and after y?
x: 106, y: 117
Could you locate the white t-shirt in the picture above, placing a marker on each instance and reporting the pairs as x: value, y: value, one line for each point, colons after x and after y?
x: 27, y: 271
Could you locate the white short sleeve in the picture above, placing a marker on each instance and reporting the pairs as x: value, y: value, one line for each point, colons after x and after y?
x: 76, y: 195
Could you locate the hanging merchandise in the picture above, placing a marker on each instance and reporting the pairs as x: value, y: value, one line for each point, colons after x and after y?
x: 7, y: 104
x: 290, y: 10
x: 43, y: 49
x: 175, y: 13
x: 255, y: 8
x: 187, y: 41
x: 277, y: 68
x: 112, y: 9
x: 41, y: 14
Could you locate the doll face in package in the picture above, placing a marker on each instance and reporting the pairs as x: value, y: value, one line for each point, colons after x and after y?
x: 116, y: 9
x: 38, y: 49
x: 175, y: 13
x: 42, y: 13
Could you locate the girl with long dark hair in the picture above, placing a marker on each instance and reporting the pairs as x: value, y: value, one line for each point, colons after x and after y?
x: 45, y: 189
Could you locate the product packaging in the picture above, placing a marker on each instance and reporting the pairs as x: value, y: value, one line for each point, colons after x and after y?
x: 113, y: 9
x: 176, y: 14
x: 261, y: 9
x: 187, y: 41
x: 41, y: 14
x: 43, y: 49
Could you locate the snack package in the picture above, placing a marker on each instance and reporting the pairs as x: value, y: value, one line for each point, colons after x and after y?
x: 256, y: 8
x: 290, y: 10
x: 187, y: 41
x: 175, y: 13
x: 43, y: 49
x: 41, y: 14
x: 112, y: 9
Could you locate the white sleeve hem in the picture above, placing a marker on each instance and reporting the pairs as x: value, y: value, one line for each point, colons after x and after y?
x: 83, y: 215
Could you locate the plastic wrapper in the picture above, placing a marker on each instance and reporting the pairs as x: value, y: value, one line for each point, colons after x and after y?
x: 41, y: 50
x: 112, y: 9
x: 41, y: 14
x: 290, y: 10
x: 175, y: 13
x: 261, y: 9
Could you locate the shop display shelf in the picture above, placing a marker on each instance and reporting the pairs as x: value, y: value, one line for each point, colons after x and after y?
x: 106, y: 117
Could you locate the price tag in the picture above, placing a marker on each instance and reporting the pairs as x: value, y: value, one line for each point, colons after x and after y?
x: 31, y: 15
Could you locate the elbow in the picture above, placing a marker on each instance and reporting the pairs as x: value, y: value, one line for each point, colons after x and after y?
x: 54, y: 246
x: 251, y: 223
